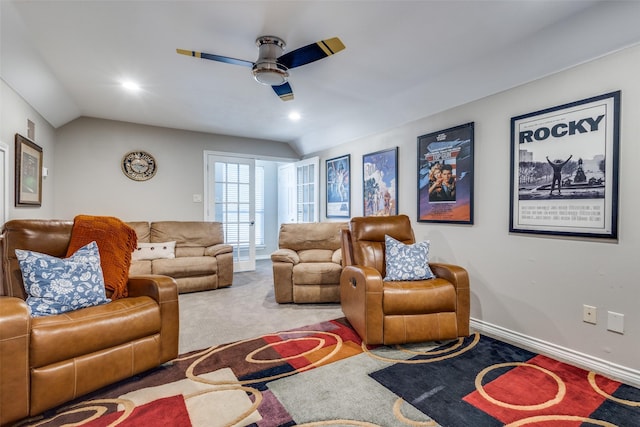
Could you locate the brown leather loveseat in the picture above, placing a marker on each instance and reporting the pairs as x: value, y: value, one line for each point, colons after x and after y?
x: 47, y: 361
x: 201, y: 260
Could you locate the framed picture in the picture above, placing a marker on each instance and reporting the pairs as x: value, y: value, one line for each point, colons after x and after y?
x: 338, y: 187
x: 28, y: 172
x: 564, y: 169
x: 380, y: 183
x: 445, y: 175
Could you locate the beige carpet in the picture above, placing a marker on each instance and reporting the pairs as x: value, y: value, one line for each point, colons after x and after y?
x: 244, y: 310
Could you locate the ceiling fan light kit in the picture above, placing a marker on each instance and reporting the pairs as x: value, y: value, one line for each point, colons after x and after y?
x: 272, y: 67
x: 270, y: 74
x: 267, y: 70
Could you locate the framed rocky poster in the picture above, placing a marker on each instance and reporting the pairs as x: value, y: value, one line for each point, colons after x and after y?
x: 564, y: 169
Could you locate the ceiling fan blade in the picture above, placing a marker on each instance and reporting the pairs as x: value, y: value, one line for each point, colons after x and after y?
x: 284, y: 91
x: 311, y: 53
x: 213, y: 57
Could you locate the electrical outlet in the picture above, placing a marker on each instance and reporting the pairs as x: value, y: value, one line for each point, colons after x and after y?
x: 589, y: 314
x: 615, y: 322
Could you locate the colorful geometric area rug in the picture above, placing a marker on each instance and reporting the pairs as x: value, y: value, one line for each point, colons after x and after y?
x: 322, y: 375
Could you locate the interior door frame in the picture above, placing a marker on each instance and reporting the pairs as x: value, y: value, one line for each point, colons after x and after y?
x: 4, y: 175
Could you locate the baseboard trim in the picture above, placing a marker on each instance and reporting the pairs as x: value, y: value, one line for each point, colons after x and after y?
x: 585, y: 361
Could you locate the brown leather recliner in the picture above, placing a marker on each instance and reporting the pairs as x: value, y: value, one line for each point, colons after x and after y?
x: 308, y: 262
x: 47, y: 361
x: 402, y: 311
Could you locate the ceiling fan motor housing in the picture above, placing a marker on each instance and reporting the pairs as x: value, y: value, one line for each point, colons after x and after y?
x: 266, y: 69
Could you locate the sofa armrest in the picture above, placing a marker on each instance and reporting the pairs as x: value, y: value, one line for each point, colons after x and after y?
x: 164, y: 290
x: 337, y: 256
x: 15, y: 327
x: 215, y: 250
x: 285, y: 255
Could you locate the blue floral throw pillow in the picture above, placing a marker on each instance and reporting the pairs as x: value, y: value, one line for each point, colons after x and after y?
x: 56, y: 285
x: 406, y: 262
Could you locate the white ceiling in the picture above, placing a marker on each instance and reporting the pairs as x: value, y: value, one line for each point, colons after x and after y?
x: 403, y: 59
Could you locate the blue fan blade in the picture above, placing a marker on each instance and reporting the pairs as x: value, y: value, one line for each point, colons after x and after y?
x: 311, y: 53
x: 213, y: 57
x: 284, y: 91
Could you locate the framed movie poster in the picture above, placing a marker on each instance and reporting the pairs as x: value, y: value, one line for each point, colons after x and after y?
x: 445, y: 175
x: 564, y: 169
x: 380, y: 183
x: 338, y: 187
x: 28, y: 169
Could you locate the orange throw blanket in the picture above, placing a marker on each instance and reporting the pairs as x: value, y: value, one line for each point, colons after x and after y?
x: 115, y: 239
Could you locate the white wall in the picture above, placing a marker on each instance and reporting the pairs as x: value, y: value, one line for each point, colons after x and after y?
x: 89, y: 178
x: 532, y: 285
x: 14, y: 114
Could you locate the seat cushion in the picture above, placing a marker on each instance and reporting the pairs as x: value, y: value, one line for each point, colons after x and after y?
x: 316, y: 273
x: 315, y: 255
x: 140, y: 267
x: 185, y: 266
x: 418, y: 297
x: 84, y: 331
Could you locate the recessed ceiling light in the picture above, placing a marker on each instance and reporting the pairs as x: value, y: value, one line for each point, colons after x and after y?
x: 294, y: 116
x: 129, y: 85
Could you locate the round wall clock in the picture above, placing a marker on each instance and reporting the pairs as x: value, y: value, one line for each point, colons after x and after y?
x: 139, y: 165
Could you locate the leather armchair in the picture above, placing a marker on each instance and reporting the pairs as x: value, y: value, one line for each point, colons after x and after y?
x: 308, y: 262
x: 47, y: 361
x: 401, y: 311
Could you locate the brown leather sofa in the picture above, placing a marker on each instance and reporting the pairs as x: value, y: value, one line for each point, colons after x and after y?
x: 47, y: 361
x: 395, y: 312
x: 202, y: 260
x: 308, y: 263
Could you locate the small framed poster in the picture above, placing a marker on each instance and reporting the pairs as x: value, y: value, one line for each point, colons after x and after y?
x: 338, y: 187
x: 380, y: 183
x: 564, y: 169
x: 28, y: 168
x: 445, y: 175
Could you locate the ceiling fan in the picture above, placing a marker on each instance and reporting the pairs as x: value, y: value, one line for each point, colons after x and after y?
x: 272, y: 67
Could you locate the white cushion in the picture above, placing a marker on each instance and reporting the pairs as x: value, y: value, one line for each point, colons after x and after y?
x: 166, y: 250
